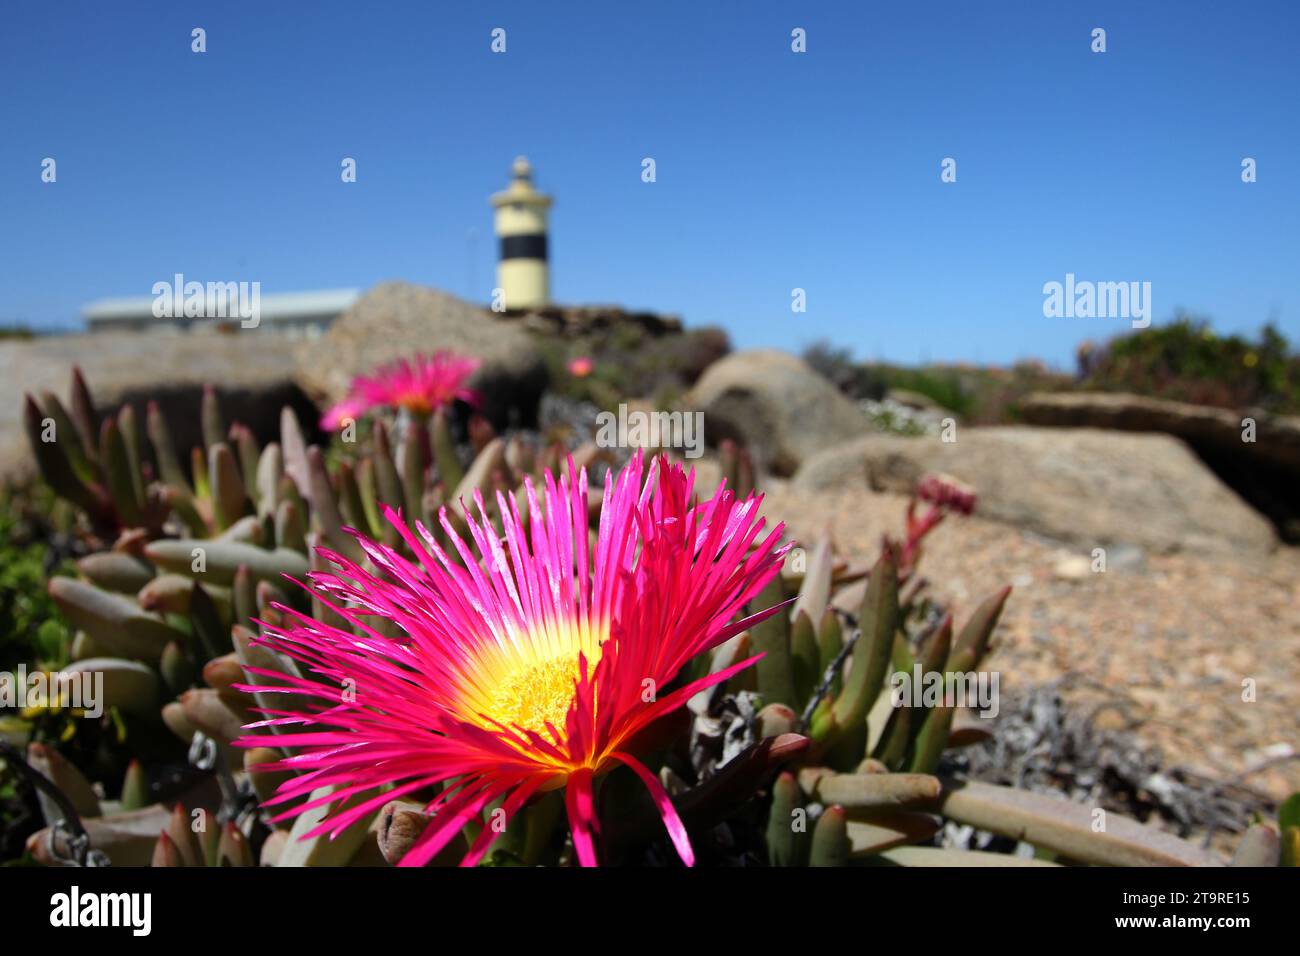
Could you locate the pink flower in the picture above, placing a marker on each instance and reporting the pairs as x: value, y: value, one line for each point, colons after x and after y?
x: 338, y: 414
x: 420, y: 385
x: 581, y: 366
x: 530, y: 666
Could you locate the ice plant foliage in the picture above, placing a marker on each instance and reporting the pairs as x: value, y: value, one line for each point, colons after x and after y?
x: 420, y: 385
x: 946, y: 491
x: 526, y: 663
x: 943, y: 494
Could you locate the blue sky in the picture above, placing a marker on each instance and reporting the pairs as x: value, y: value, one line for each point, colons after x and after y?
x: 775, y: 170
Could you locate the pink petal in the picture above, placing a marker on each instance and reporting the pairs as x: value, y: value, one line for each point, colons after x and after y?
x: 582, y: 815
x: 666, y: 809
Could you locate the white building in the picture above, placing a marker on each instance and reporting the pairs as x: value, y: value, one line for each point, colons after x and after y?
x: 301, y: 314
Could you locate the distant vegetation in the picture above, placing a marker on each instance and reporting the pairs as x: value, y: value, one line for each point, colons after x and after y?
x: 1183, y: 361
x: 627, y: 362
x: 1186, y: 361
x: 981, y: 395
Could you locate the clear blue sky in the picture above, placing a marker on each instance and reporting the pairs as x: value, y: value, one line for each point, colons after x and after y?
x: 775, y: 170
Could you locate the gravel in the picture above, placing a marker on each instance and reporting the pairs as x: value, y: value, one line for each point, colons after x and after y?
x: 1202, y: 650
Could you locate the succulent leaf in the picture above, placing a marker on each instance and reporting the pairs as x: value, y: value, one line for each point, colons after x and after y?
x: 135, y: 788
x: 887, y: 829
x: 180, y: 830
x: 1260, y: 845
x: 63, y: 774
x: 116, y: 571
x: 830, y: 642
x: 57, y: 470
x: 805, y: 659
x: 871, y: 791
x: 210, y: 418
x: 127, y: 685
x: 294, y: 450
x: 127, y: 838
x: 211, y: 631
x: 69, y: 439
x: 229, y: 500
x: 221, y: 559
x: 325, y: 506
x: 830, y: 839
x: 787, y: 836
x: 935, y: 856
x: 1067, y: 828
x: 164, y: 450
x: 815, y: 590
x: 114, y: 621
x: 450, y: 472
x: 83, y: 413
x: 771, y: 638
x: 879, y: 621
x: 132, y: 442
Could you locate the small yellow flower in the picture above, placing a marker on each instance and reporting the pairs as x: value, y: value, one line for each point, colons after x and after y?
x: 1250, y: 360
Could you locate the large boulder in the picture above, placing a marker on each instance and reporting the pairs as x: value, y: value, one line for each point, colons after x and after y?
x: 397, y: 320
x: 250, y: 368
x: 1083, y: 486
x: 1265, y: 471
x: 775, y: 405
x: 1277, y: 437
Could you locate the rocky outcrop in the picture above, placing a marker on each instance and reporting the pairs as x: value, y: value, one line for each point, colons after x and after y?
x: 1087, y: 487
x: 1265, y: 471
x: 1277, y: 437
x: 250, y: 368
x: 775, y: 405
x: 579, y: 321
x: 398, y: 319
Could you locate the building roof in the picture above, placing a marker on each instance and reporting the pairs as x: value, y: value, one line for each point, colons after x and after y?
x: 280, y: 306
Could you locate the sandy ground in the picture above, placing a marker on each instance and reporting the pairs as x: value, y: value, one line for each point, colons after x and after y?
x: 1172, y: 638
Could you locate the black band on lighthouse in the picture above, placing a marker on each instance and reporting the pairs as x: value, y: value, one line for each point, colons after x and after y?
x: 524, y: 247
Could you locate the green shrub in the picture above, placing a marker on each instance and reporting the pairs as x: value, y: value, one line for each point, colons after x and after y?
x: 982, y: 395
x: 18, y: 332
x: 629, y: 362
x: 30, y: 628
x: 1187, y: 361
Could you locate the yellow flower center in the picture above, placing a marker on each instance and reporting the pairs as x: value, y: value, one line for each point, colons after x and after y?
x: 417, y: 403
x: 535, y: 693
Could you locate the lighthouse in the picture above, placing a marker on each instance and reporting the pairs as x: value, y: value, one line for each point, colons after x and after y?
x: 522, y: 271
